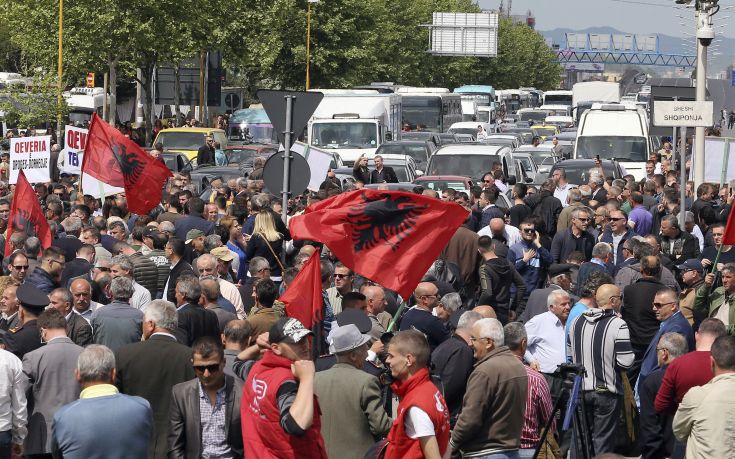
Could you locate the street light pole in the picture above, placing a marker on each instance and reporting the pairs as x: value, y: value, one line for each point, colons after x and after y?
x: 308, y: 41
x: 705, y: 35
x: 60, y: 70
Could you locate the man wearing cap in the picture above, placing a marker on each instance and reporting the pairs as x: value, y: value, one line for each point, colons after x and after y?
x: 279, y: 411
x: 205, y: 154
x: 26, y: 338
x: 349, y: 398
x: 224, y: 264
x: 194, y: 244
x: 692, y: 276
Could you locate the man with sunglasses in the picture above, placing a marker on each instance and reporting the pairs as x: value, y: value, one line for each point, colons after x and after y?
x: 576, y: 238
x: 530, y: 258
x: 205, y: 412
x: 171, y: 361
x: 18, y: 266
x: 616, y: 234
x: 205, y: 155
x: 46, y: 276
x: 666, y: 307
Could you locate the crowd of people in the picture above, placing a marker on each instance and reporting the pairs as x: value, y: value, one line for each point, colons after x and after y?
x: 162, y: 335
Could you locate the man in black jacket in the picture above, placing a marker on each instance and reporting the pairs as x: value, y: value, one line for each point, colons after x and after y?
x: 546, y: 206
x: 677, y: 245
x: 205, y: 155
x: 496, y: 277
x: 382, y: 174
x: 175, y: 250
x: 195, y: 220
x: 576, y: 238
x: 194, y: 320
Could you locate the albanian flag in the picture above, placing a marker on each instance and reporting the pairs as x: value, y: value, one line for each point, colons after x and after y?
x: 390, y: 237
x: 112, y: 158
x: 26, y: 215
x: 303, y: 297
x: 729, y: 237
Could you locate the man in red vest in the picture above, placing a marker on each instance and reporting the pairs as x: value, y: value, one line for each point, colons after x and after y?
x: 280, y: 413
x: 421, y: 427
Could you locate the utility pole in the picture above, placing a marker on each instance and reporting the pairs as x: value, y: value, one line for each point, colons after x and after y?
x: 705, y: 34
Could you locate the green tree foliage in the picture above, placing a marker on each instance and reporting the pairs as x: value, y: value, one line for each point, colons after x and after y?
x: 35, y: 105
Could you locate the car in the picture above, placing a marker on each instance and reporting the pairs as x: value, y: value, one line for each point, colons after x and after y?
x: 471, y: 160
x: 443, y: 182
x: 579, y: 170
x: 543, y: 157
x: 544, y: 131
x: 470, y: 127
x: 403, y: 166
x: 560, y: 121
x: 416, y: 135
x: 417, y: 149
x: 528, y: 166
x: 531, y: 116
x: 526, y: 133
x: 189, y: 140
x: 513, y: 140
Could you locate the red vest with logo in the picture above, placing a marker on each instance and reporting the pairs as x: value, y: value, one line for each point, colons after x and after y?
x: 262, y: 434
x: 418, y: 391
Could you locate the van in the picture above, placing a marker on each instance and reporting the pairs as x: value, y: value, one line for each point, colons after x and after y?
x: 472, y: 160
x: 616, y: 132
x: 188, y: 140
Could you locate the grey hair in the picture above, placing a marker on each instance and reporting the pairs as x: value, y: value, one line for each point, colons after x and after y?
x: 491, y: 328
x: 95, y: 364
x: 163, y: 313
x: 601, y: 250
x: 32, y: 246
x: 256, y: 264
x: 123, y: 261
x: 72, y: 225
x: 675, y: 343
x: 468, y: 319
x: 64, y: 293
x: 122, y: 288
x: 673, y: 221
x: 597, y: 179
x: 212, y: 241
x: 262, y: 200
x: 579, y: 210
x: 558, y: 293
x: 117, y: 224
x: 242, y: 182
x: 207, y: 258
x: 166, y: 226
x: 451, y: 301
x: 189, y: 288
x: 689, y: 216
x: 515, y: 333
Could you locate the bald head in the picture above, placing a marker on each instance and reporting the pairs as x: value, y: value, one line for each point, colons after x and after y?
x: 425, y: 288
x: 497, y: 225
x: 486, y: 311
x: 308, y: 249
x: 608, y: 297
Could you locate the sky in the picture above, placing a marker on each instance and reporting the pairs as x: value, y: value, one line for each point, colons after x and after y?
x: 631, y: 16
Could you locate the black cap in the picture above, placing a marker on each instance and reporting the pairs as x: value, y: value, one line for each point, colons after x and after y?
x: 560, y: 268
x: 288, y: 330
x: 32, y: 299
x: 356, y: 318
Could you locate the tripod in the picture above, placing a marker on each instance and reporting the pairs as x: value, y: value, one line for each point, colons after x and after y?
x: 576, y: 414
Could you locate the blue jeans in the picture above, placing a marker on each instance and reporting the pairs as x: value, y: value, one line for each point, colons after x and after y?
x: 5, y: 439
x: 526, y: 453
x: 511, y: 455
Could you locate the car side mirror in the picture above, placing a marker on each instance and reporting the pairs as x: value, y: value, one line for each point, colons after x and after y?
x: 543, y: 170
x: 529, y: 180
x: 512, y: 180
x: 388, y: 136
x: 180, y: 163
x: 419, y: 173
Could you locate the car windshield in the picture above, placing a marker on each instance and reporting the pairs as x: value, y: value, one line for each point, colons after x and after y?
x: 464, y: 165
x: 400, y: 170
x: 253, y: 133
x: 526, y: 136
x: 344, y: 135
x: 622, y: 148
x: 440, y: 185
x: 535, y: 116
x: 471, y: 131
x: 415, y: 151
x: 545, y: 132
x: 181, y: 140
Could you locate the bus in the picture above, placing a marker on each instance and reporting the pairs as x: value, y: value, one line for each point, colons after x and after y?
x: 429, y: 109
x: 536, y: 96
x: 558, y: 98
x: 514, y: 99
x: 484, y: 98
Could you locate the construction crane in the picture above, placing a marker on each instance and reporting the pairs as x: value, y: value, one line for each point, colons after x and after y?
x: 510, y: 8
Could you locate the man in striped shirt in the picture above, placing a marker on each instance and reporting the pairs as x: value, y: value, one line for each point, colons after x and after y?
x: 538, y: 403
x: 600, y: 341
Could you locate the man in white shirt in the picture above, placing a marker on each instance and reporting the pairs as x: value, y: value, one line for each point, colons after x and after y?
x: 122, y: 267
x: 562, y: 186
x: 207, y: 266
x: 81, y: 292
x: 13, y: 413
x: 499, y: 230
x: 546, y: 345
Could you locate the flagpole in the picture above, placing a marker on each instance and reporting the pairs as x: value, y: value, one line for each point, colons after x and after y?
x: 717, y: 259
x: 397, y: 316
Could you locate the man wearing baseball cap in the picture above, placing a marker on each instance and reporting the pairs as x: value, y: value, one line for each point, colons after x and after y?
x: 279, y: 411
x: 692, y: 276
x: 349, y: 397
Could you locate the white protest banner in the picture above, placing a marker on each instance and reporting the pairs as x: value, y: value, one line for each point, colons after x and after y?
x: 97, y: 189
x: 74, y: 141
x: 319, y: 162
x: 33, y: 155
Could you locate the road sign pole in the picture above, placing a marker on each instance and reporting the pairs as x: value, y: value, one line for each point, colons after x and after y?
x: 288, y: 141
x: 683, y: 174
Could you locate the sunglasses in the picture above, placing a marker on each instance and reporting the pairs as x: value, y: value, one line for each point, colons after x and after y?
x: 20, y: 267
x: 529, y: 230
x: 584, y: 219
x: 211, y: 368
x: 341, y: 276
x: 617, y: 219
x: 661, y: 305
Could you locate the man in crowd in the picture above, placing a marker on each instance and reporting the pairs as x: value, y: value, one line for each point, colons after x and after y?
x: 617, y: 234
x: 546, y: 348
x: 117, y: 324
x: 175, y: 251
x: 494, y: 404
x: 421, y: 426
x: 77, y: 328
x: 279, y: 412
x: 129, y: 429
x: 420, y: 316
x: 529, y: 257
x: 9, y: 306
x: 576, y: 238
x: 342, y: 284
x: 349, y: 398
x: 677, y: 245
x: 718, y: 303
x: 205, y: 412
x: 497, y: 275
x: 122, y: 266
x: 46, y: 277
x: 692, y: 277
x: 26, y: 337
x: 194, y: 321
x: 561, y: 191
x: 160, y: 350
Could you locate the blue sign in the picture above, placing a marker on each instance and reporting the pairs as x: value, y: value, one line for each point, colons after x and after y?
x: 732, y: 76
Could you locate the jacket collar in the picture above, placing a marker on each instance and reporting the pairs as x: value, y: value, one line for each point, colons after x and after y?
x: 493, y: 353
x: 403, y: 388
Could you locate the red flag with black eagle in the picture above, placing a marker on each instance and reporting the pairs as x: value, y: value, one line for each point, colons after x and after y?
x: 112, y: 158
x: 390, y: 237
x: 729, y: 237
x: 303, y: 297
x: 26, y: 215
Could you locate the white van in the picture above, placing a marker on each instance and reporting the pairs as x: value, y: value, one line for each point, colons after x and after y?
x: 615, y: 131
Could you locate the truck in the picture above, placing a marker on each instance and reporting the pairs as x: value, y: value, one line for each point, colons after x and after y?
x: 616, y: 132
x: 589, y: 92
x: 83, y: 102
x: 558, y: 98
x: 483, y: 97
x: 355, y: 122
x: 251, y: 125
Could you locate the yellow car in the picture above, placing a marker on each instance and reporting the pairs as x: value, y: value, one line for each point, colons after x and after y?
x: 545, y: 130
x: 188, y: 140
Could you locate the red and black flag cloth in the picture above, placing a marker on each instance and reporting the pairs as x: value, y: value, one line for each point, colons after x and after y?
x: 26, y: 215
x: 303, y: 297
x: 729, y: 237
x: 389, y: 237
x: 112, y: 158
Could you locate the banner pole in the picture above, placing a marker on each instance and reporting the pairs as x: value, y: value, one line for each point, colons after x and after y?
x: 717, y: 259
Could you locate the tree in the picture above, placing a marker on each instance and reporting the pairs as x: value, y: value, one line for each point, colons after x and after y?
x: 34, y: 106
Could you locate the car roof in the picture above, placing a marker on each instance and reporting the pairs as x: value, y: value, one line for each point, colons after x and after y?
x: 429, y: 178
x: 403, y: 142
x: 580, y: 162
x: 203, y: 130
x: 471, y: 148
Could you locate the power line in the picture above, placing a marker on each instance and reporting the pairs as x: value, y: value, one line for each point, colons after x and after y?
x: 643, y: 3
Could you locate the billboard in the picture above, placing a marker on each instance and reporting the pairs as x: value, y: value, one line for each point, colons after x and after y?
x: 464, y: 34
